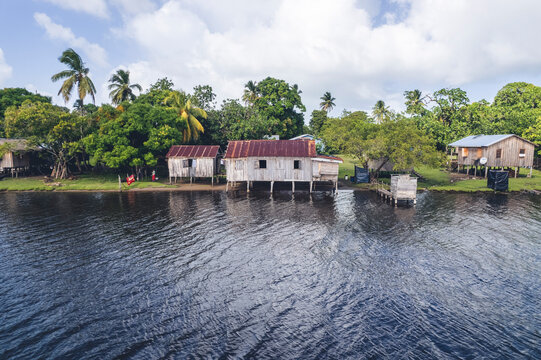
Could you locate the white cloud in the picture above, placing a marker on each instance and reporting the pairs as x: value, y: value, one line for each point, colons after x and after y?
x: 5, y: 69
x: 131, y: 7
x: 58, y: 32
x: 335, y: 46
x: 92, y: 7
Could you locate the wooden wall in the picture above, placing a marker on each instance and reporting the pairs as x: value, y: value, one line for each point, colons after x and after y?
x: 10, y: 160
x: 324, y: 170
x: 510, y: 149
x: 204, y: 167
x: 278, y: 169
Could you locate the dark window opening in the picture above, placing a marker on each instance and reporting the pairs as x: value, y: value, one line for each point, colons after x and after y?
x: 296, y: 164
x: 262, y: 164
x: 498, y: 153
x: 522, y: 153
x: 190, y: 162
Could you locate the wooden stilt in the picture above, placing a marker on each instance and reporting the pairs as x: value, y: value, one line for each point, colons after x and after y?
x: 293, y: 187
x: 475, y: 171
x: 212, y: 181
x: 530, y: 175
x: 336, y: 185
x: 272, y: 186
x: 516, y: 170
x: 190, y: 180
x: 226, y: 186
x: 247, y: 186
x: 486, y: 171
x: 311, y: 186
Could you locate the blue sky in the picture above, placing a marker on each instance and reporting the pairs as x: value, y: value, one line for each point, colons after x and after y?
x: 359, y: 50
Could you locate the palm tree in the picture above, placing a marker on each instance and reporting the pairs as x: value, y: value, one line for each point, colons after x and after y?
x: 188, y: 113
x: 328, y: 102
x: 250, y: 92
x: 76, y: 75
x: 121, y: 88
x: 295, y: 88
x: 380, y: 111
x: 414, y: 101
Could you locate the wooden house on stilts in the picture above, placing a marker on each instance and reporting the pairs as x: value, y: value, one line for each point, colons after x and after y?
x: 193, y: 161
x: 495, y: 151
x: 279, y: 161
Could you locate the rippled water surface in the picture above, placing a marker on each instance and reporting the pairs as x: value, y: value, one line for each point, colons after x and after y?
x: 176, y: 275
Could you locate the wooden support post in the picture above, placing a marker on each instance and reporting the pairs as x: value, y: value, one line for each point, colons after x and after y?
x: 191, y: 180
x: 226, y: 186
x: 311, y: 186
x: 414, y: 201
x: 486, y: 171
x: 516, y: 170
x: 336, y: 185
x: 247, y: 186
x: 272, y: 186
x: 395, y: 202
x: 119, y: 184
x: 530, y: 175
x: 293, y: 187
x: 475, y: 171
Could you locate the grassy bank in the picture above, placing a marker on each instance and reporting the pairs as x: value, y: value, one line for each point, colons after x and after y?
x: 442, y: 180
x: 84, y: 182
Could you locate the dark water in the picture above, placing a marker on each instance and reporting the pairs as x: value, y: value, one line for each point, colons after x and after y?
x: 201, y: 275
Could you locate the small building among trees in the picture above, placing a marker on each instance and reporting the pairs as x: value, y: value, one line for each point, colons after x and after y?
x: 497, y: 151
x: 279, y: 160
x: 192, y: 161
x: 15, y: 156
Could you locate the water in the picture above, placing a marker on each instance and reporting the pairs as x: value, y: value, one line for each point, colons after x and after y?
x: 192, y: 275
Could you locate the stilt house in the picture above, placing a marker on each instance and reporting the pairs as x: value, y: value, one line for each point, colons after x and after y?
x: 279, y: 160
x: 497, y: 151
x: 193, y: 161
x: 14, y: 155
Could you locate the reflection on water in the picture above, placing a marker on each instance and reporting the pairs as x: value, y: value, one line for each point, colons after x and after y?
x: 147, y: 275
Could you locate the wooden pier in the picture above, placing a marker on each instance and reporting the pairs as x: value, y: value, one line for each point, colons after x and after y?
x: 403, y: 187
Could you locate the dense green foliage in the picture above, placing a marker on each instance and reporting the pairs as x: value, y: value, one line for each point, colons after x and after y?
x: 15, y: 97
x: 75, y: 76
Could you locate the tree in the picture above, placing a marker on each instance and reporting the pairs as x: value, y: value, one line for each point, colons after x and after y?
x: 344, y: 134
x: 448, y: 103
x: 282, y: 106
x: 188, y: 113
x: 401, y: 143
x: 76, y: 75
x: 328, y: 102
x: 250, y: 93
x: 15, y: 97
x: 162, y: 84
x: 415, y: 102
x: 121, y: 88
x: 317, y: 119
x: 51, y: 128
x: 203, y: 97
x: 137, y: 137
x: 380, y: 111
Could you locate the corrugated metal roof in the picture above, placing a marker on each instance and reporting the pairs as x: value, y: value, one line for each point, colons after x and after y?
x: 193, y: 151
x: 264, y: 148
x: 330, y: 157
x: 482, y: 140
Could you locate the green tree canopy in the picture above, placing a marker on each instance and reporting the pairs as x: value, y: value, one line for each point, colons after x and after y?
x: 181, y: 103
x: 317, y: 119
x: 15, y: 97
x: 282, y: 106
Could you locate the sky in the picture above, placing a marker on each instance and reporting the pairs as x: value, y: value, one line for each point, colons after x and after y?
x: 361, y: 51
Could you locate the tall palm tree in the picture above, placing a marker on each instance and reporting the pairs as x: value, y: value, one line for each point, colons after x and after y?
x: 76, y: 75
x: 121, y: 88
x: 380, y: 111
x: 328, y: 102
x: 414, y: 101
x: 250, y: 92
x: 188, y: 113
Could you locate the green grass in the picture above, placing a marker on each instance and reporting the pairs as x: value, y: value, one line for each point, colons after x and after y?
x: 441, y: 180
x: 84, y: 182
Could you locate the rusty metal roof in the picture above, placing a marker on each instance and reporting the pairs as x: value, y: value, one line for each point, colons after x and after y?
x: 269, y: 148
x: 193, y: 151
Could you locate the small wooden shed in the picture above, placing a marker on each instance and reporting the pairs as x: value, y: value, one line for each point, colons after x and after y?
x: 193, y: 161
x: 498, y: 151
x: 278, y: 160
x: 14, y: 155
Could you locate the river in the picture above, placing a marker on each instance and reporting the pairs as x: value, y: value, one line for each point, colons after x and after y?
x: 212, y: 275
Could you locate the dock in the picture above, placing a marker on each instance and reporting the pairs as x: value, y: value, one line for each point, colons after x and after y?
x: 403, y: 187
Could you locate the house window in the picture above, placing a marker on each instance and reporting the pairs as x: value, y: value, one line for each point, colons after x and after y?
x: 262, y: 164
x: 479, y: 153
x: 296, y: 164
x: 186, y: 163
x: 238, y: 164
x: 465, y: 152
x: 522, y: 153
x: 498, y: 153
